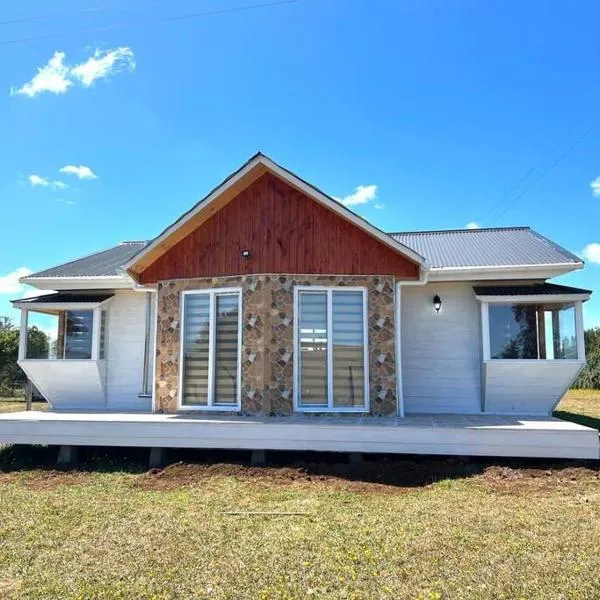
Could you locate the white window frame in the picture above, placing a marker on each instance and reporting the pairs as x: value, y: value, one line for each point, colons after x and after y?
x: 212, y: 293
x: 298, y: 407
x: 485, y: 331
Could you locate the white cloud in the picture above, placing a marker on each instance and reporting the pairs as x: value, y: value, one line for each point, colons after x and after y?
x: 472, y: 225
x: 591, y: 253
x: 595, y: 185
x: 104, y: 64
x: 81, y: 171
x: 36, y: 180
x: 53, y: 77
x: 363, y: 194
x: 68, y: 202
x: 57, y: 76
x: 9, y: 284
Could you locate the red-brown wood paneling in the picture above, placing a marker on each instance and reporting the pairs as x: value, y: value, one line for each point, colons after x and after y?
x: 286, y: 232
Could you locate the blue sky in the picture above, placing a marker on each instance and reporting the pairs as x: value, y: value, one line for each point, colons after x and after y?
x: 445, y: 106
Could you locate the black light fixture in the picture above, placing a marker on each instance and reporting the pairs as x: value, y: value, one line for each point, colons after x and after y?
x: 437, y: 303
x: 246, y: 254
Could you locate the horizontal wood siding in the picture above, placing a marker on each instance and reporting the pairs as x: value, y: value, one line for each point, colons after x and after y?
x: 286, y: 232
x: 441, y: 352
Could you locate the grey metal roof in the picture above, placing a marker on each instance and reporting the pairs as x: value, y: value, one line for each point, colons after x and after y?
x: 446, y: 248
x: 536, y: 289
x: 499, y: 247
x: 100, y: 264
x: 66, y: 297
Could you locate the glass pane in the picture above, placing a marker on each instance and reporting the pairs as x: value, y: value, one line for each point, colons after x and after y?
x: 513, y: 331
x: 565, y: 333
x: 348, y: 349
x: 195, y: 349
x: 226, y: 348
x: 78, y: 334
x: 42, y: 333
x: 313, y: 348
x: 103, y: 334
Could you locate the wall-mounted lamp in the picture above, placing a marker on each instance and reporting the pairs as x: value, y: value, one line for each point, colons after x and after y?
x: 246, y: 254
x: 437, y: 303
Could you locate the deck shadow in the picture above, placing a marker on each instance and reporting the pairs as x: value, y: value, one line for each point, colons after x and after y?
x: 187, y: 467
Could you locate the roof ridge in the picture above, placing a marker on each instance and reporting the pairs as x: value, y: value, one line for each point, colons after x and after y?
x: 463, y: 230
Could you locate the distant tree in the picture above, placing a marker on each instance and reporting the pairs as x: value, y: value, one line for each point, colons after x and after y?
x: 590, y: 376
x: 37, y: 347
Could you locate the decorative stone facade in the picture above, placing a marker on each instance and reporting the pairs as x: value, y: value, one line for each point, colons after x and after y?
x: 267, y: 339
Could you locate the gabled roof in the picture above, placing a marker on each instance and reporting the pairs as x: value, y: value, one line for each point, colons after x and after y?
x: 249, y: 172
x: 499, y: 247
x: 105, y: 263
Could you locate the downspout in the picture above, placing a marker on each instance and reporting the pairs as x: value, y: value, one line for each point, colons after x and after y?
x: 423, y: 279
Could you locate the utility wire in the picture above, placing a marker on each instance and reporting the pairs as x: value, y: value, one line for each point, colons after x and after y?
x: 174, y: 18
x: 550, y: 167
x: 497, y: 207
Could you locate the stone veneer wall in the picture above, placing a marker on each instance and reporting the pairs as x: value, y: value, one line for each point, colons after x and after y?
x: 267, y: 344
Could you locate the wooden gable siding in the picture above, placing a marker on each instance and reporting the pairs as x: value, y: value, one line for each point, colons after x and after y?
x: 286, y: 232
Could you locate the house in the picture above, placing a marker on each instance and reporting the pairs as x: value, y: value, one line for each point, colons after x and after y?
x: 270, y: 316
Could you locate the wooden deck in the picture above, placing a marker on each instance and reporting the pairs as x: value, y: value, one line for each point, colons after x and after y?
x: 475, y: 435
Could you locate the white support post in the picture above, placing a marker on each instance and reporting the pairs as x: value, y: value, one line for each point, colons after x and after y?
x: 580, y: 331
x: 96, y: 333
x: 398, y: 328
x: 485, y: 330
x: 23, y: 334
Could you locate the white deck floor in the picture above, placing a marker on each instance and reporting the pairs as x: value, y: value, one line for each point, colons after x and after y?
x: 477, y: 435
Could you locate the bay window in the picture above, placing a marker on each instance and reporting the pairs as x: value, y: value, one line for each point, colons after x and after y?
x: 533, y: 331
x: 331, y: 349
x: 210, y: 349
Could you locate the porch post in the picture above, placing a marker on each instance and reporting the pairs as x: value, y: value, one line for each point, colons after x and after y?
x: 23, y: 334
x: 398, y: 329
x: 96, y: 333
x: 579, y: 330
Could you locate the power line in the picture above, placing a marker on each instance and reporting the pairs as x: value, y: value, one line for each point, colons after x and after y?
x: 492, y: 213
x: 153, y: 22
x: 546, y: 171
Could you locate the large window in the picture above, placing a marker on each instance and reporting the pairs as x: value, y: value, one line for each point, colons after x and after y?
x: 331, y: 349
x: 211, y: 344
x: 78, y: 333
x: 533, y: 331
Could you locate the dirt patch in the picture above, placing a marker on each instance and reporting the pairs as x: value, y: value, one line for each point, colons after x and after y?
x: 394, y: 476
x: 540, y: 481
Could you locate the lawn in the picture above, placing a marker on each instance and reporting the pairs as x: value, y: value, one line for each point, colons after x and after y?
x: 409, y: 527
x: 581, y: 406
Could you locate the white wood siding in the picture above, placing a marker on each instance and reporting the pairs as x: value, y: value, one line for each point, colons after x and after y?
x: 68, y: 384
x: 125, y: 355
x: 441, y: 352
x: 530, y: 387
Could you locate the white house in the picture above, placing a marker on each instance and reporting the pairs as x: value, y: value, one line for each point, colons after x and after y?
x: 269, y: 316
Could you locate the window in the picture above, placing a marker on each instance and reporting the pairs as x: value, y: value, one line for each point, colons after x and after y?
x: 103, y: 334
x: 78, y: 334
x: 331, y: 349
x: 210, y: 349
x: 533, y: 331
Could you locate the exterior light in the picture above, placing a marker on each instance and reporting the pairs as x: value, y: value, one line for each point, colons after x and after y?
x: 246, y: 254
x: 437, y: 303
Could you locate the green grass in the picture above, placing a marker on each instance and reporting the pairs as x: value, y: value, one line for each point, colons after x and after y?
x: 16, y: 404
x: 405, y: 528
x: 580, y: 406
